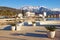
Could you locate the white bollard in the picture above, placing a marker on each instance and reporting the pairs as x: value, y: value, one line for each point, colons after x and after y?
x: 18, y: 26
x: 29, y: 22
x: 13, y: 28
x: 34, y: 24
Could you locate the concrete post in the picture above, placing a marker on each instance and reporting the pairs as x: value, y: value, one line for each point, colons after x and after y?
x: 18, y: 26
x: 13, y: 28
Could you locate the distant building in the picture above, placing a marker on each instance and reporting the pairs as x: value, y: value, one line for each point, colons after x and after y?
x: 40, y: 15
x: 30, y: 14
x: 20, y: 15
x: 54, y: 16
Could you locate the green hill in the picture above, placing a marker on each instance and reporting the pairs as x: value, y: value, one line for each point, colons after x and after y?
x: 8, y: 11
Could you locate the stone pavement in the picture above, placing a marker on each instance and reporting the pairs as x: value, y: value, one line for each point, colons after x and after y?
x: 38, y: 33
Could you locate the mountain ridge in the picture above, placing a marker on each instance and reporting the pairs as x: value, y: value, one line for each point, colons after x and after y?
x: 36, y: 9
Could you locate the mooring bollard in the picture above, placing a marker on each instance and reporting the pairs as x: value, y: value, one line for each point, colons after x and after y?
x: 13, y: 28
x: 18, y: 26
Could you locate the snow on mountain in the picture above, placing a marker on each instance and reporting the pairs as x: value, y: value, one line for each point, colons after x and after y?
x: 41, y: 9
x: 55, y: 9
x: 32, y: 8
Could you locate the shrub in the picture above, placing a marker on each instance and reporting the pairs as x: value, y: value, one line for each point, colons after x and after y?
x: 33, y: 22
x: 51, y: 28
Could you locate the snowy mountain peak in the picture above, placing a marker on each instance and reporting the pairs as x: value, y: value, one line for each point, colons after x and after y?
x: 41, y: 9
x: 55, y: 9
x: 31, y: 7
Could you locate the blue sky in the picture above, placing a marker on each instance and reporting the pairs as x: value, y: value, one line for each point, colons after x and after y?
x: 20, y: 3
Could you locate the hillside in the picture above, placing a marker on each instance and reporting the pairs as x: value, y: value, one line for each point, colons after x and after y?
x: 7, y: 11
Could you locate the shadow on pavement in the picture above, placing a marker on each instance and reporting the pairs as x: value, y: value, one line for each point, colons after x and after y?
x: 7, y: 28
x: 41, y: 31
x: 31, y: 35
x: 36, y: 35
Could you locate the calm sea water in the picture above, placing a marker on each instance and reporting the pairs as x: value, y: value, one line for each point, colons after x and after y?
x: 38, y: 24
x: 26, y: 24
x: 53, y: 19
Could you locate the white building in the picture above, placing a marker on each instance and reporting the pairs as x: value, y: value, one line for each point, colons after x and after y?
x: 40, y: 15
x: 30, y: 14
x: 20, y: 15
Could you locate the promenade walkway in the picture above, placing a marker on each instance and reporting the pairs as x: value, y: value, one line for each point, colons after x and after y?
x: 28, y: 33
